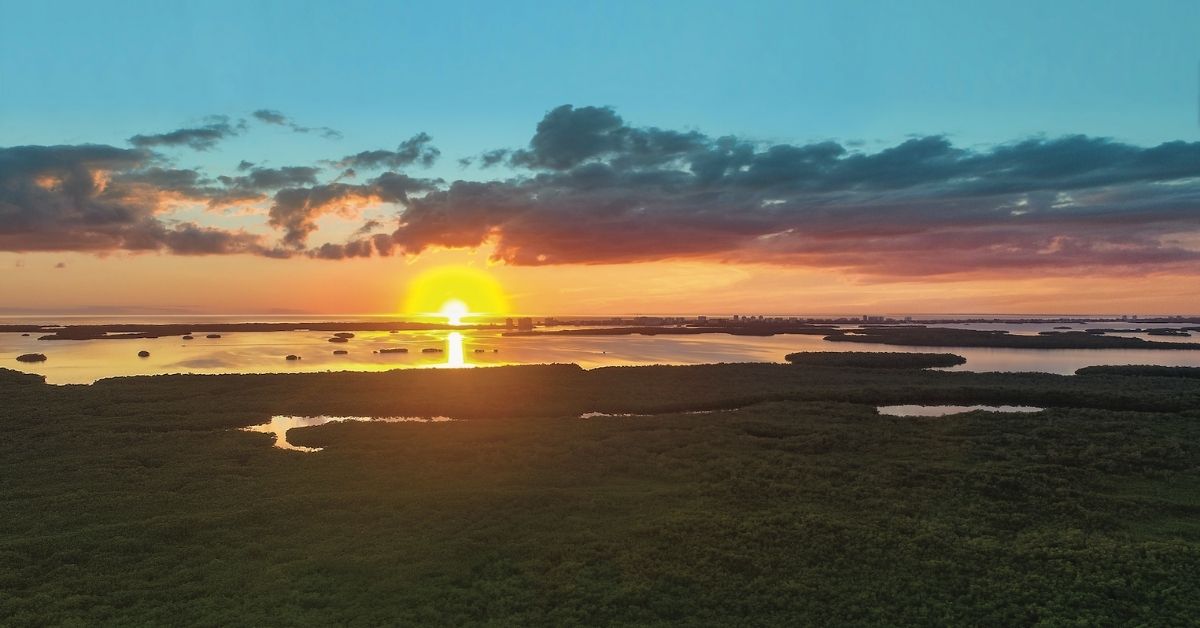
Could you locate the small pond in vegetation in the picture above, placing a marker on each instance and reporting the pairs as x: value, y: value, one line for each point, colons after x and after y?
x: 913, y: 410
x: 279, y: 426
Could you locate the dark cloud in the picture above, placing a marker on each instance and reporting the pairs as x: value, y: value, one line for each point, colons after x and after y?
x: 590, y: 188
x: 271, y: 116
x: 261, y: 179
x: 569, y: 136
x: 493, y: 157
x: 296, y: 210
x: 601, y: 191
x: 414, y: 150
x: 100, y: 198
x: 198, y: 138
x: 367, y: 227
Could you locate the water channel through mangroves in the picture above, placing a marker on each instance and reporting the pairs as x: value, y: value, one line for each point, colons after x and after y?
x: 279, y: 426
x: 947, y: 410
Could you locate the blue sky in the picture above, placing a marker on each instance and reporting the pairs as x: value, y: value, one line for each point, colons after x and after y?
x: 914, y: 156
x: 479, y: 75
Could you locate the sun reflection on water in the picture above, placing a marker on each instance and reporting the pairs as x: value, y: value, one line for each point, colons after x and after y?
x: 455, y: 358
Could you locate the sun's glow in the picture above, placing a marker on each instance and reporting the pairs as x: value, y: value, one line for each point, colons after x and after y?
x: 453, y: 293
x: 454, y: 310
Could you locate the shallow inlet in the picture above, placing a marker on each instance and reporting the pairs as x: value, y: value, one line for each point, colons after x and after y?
x: 913, y: 410
x: 601, y: 415
x: 279, y: 426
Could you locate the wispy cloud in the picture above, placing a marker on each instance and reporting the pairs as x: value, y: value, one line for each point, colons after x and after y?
x: 271, y: 116
x: 200, y: 138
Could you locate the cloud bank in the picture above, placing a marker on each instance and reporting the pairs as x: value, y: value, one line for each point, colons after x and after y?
x: 590, y: 188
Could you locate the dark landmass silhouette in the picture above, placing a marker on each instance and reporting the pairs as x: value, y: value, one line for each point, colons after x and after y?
x: 1168, y: 332
x: 866, y: 359
x: 793, y: 503
x: 945, y: 337
x: 905, y: 335
x: 1143, y: 370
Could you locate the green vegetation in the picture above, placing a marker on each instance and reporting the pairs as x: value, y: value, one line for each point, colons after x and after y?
x: 1143, y: 370
x: 946, y: 337
x: 133, y: 502
x: 876, y: 360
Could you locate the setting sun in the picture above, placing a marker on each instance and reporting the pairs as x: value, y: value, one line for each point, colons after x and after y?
x: 455, y: 292
x: 454, y: 310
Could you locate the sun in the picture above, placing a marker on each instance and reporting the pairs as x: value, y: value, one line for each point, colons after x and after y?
x: 454, y: 311
x: 453, y: 293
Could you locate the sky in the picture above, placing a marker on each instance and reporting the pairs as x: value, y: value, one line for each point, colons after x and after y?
x: 618, y: 157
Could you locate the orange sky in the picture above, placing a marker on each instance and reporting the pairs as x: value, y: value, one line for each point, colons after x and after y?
x: 242, y: 284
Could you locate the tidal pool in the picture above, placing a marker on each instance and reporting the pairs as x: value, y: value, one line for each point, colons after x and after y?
x: 279, y: 426
x: 914, y: 410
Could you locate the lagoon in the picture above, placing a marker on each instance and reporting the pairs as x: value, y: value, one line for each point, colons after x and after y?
x: 85, y: 361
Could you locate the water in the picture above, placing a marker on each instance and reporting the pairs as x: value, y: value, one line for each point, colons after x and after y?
x: 617, y: 415
x: 910, y: 410
x: 84, y: 361
x: 279, y: 426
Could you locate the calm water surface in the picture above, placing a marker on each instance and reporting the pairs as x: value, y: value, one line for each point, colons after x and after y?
x: 910, y: 410
x: 279, y: 426
x: 85, y: 361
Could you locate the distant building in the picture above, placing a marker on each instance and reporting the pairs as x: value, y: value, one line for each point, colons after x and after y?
x: 525, y: 324
x: 702, y: 319
x: 508, y: 323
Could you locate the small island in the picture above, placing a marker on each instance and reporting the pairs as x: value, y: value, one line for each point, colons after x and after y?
x: 947, y: 337
x: 873, y: 360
